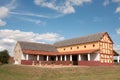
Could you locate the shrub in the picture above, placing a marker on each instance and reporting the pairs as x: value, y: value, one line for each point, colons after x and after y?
x: 4, y: 57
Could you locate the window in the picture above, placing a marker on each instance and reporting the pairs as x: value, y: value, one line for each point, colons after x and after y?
x: 111, y: 56
x: 105, y: 56
x: 102, y: 60
x: 71, y: 48
x: 101, y: 55
x: 106, y: 51
x: 93, y: 45
x: 105, y: 60
x: 64, y: 49
x: 84, y: 46
x: 103, y: 45
x: 77, y: 47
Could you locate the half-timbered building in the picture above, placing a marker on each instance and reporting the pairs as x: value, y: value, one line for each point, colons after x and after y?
x: 91, y: 50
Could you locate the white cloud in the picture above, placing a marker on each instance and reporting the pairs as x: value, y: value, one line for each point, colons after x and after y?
x: 35, y: 15
x: 118, y: 18
x: 68, y: 9
x: 118, y: 10
x: 11, y: 5
x: 3, y: 12
x: 117, y: 47
x: 28, y: 14
x: 65, y: 7
x: 1, y: 48
x: 36, y: 21
x: 48, y: 37
x: 118, y: 31
x: 117, y: 1
x: 106, y: 2
x: 2, y: 23
x: 8, y: 38
x: 117, y: 38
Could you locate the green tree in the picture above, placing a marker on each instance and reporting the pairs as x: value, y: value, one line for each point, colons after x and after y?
x: 4, y: 57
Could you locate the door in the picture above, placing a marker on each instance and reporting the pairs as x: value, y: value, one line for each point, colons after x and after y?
x: 75, y: 59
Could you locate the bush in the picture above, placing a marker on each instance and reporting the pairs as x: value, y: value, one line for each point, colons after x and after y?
x: 4, y: 57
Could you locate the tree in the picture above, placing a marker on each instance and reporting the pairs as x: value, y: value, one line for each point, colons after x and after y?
x: 4, y: 57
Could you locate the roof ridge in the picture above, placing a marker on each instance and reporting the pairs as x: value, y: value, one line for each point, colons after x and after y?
x: 35, y: 43
x: 80, y: 37
x: 80, y: 40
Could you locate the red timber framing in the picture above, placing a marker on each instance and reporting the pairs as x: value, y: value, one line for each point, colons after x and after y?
x: 106, y: 49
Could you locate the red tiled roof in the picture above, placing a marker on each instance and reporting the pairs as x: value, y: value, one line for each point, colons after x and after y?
x: 59, y: 53
x: 115, y: 53
x: 39, y: 52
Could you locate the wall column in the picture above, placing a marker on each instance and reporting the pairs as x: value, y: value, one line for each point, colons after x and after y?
x: 61, y: 58
x: 65, y: 58
x: 56, y: 58
x: 88, y: 57
x: 37, y: 57
x: 79, y: 57
x: 70, y: 57
x: 47, y: 58
x: 118, y: 59
x: 27, y: 56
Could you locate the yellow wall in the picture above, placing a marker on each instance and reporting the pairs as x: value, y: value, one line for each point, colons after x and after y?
x: 81, y: 47
x: 105, y: 45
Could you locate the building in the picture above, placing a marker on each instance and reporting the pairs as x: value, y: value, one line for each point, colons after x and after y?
x: 116, y: 58
x: 91, y: 50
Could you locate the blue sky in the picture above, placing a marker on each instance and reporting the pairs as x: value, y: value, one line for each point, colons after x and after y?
x: 48, y: 21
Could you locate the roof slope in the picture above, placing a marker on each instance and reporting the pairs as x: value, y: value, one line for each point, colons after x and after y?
x: 60, y: 53
x: 37, y: 46
x: 80, y: 40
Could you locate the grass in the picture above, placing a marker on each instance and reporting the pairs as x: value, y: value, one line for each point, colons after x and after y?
x: 14, y: 72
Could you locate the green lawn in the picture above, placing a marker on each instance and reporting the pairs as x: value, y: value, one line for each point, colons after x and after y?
x: 14, y: 72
